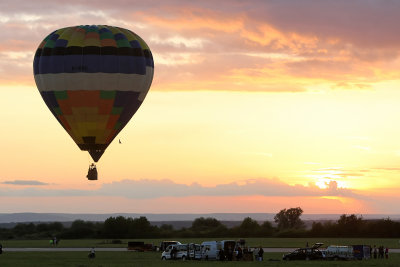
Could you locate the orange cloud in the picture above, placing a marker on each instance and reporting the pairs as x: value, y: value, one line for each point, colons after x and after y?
x: 254, y: 46
x: 191, y: 204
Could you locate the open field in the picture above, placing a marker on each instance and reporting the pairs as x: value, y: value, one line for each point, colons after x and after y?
x: 252, y: 242
x: 111, y: 259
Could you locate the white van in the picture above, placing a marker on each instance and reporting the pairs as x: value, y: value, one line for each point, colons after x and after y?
x: 182, y: 251
x: 210, y: 249
x: 194, y: 251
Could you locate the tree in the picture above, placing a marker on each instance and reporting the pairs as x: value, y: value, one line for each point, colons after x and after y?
x: 266, y: 229
x: 81, y: 229
x: 116, y: 227
x: 248, y: 228
x: 287, y: 219
x: 350, y: 225
x: 204, y: 224
x: 208, y: 227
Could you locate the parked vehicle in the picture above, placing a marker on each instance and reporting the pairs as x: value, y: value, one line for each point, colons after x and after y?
x: 209, y: 250
x: 309, y: 253
x: 194, y: 251
x: 139, y: 246
x: 362, y: 252
x: 229, y: 247
x: 182, y: 252
x: 334, y: 252
x: 165, y: 244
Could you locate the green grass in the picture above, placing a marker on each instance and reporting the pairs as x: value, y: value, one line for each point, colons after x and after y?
x: 149, y: 259
x: 252, y: 242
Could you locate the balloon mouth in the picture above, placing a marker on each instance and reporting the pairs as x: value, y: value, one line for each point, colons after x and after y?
x: 95, y: 150
x: 96, y: 154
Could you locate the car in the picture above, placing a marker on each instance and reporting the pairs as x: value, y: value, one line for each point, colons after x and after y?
x: 308, y: 253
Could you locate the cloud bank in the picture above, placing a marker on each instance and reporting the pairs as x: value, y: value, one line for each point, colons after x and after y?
x: 270, y: 46
x: 24, y: 182
x: 146, y: 189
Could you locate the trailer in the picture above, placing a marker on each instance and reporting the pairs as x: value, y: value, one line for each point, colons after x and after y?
x: 362, y: 252
x: 334, y: 252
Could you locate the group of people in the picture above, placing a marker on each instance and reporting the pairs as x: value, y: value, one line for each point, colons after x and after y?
x: 54, y: 241
x: 380, y: 252
x: 228, y: 254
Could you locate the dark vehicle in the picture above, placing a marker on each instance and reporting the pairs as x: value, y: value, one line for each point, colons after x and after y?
x: 310, y: 253
x: 139, y: 246
x: 362, y: 252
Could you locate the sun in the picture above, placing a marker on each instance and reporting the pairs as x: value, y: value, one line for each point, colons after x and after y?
x: 328, y: 183
x: 323, y: 183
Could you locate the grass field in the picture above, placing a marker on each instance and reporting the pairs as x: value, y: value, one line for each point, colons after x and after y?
x: 252, y: 242
x: 117, y: 259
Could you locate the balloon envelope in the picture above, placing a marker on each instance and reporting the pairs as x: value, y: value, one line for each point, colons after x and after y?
x: 93, y: 79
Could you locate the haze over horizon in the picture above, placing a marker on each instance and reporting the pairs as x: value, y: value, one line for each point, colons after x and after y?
x: 255, y: 106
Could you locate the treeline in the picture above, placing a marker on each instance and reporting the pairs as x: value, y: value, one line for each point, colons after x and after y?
x: 122, y: 228
x: 353, y: 226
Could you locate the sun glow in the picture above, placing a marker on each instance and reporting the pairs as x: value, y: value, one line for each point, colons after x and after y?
x: 326, y: 183
x: 322, y: 183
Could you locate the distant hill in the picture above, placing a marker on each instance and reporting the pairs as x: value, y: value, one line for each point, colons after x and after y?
x: 68, y: 217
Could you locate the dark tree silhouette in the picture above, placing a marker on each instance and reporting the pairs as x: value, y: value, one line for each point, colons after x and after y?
x: 289, y: 218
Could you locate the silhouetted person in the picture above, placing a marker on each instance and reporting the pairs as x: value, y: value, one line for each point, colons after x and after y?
x: 221, y: 255
x: 375, y: 252
x: 239, y: 254
x: 92, y: 253
x: 387, y: 253
x: 260, y: 254
x: 206, y: 254
x: 173, y: 253
x: 1, y: 249
x: 230, y: 253
x: 381, y: 252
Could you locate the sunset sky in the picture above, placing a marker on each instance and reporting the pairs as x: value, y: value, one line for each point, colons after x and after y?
x: 255, y: 106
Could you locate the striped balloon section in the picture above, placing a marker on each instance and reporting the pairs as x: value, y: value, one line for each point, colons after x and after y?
x: 93, y: 78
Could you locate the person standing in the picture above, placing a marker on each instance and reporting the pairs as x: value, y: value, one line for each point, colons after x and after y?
x: 92, y: 253
x: 387, y: 253
x: 173, y: 253
x: 221, y: 254
x: 260, y: 254
x: 230, y: 253
x: 380, y: 256
x: 239, y: 254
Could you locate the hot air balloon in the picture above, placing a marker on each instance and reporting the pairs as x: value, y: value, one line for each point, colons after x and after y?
x: 93, y: 78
